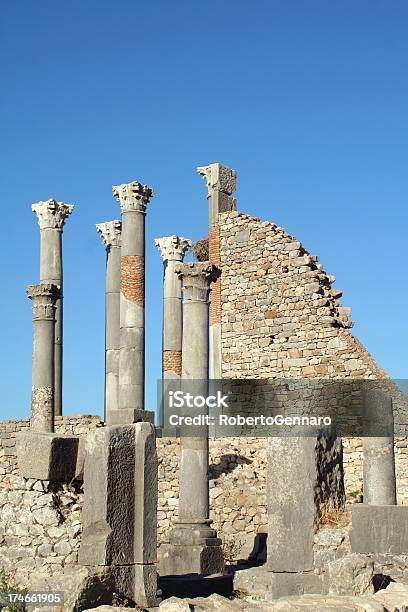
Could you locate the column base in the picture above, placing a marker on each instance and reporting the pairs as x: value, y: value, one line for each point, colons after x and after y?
x: 182, y: 559
x: 193, y: 549
x: 126, y: 416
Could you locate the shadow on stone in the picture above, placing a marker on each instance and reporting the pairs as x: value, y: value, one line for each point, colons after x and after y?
x: 228, y: 463
x: 194, y: 585
x: 381, y: 581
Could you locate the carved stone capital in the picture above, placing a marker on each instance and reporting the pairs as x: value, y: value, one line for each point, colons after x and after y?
x: 173, y: 247
x: 132, y: 197
x: 111, y: 233
x: 52, y: 214
x: 197, y: 278
x: 219, y: 178
x: 43, y: 297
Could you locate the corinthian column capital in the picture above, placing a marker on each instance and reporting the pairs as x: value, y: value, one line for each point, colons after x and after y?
x: 43, y: 297
x: 52, y: 214
x: 219, y: 178
x: 173, y: 248
x: 197, y: 278
x: 111, y: 233
x: 132, y: 197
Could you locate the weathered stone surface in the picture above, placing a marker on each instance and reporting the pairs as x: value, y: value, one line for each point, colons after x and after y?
x: 378, y: 449
x: 190, y: 559
x: 258, y: 581
x: 120, y: 464
x: 175, y: 604
x: 379, y: 529
x: 49, y: 456
x: 301, y: 478
x: 394, y: 598
x: 351, y: 575
x: 325, y: 603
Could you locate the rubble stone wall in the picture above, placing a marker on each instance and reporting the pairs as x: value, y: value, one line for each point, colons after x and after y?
x: 40, y: 522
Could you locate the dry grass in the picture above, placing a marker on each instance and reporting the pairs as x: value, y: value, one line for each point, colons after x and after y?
x: 334, y: 517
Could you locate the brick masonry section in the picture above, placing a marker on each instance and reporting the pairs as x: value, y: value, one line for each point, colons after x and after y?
x: 214, y: 257
x: 172, y: 361
x: 132, y: 281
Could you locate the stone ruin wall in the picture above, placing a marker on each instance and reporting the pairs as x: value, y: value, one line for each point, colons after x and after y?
x: 41, y: 528
x: 281, y: 317
x: 40, y: 522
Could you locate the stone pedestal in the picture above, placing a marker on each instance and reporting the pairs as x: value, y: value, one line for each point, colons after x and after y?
x: 172, y: 250
x: 44, y: 297
x: 111, y: 237
x: 120, y: 507
x: 133, y: 199
x: 194, y: 546
x: 49, y: 456
x: 379, y: 484
x: 303, y: 476
x: 51, y: 219
x: 379, y: 529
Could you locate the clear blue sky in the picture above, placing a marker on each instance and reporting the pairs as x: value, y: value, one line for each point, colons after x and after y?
x: 307, y: 100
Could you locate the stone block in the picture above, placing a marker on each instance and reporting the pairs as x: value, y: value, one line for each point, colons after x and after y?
x: 258, y: 582
x: 86, y: 587
x: 351, y: 575
x: 49, y: 456
x: 379, y: 529
x: 120, y: 501
x: 126, y: 416
x: 303, y: 474
x: 178, y: 559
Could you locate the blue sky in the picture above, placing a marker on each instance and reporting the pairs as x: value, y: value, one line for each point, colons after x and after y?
x: 307, y: 100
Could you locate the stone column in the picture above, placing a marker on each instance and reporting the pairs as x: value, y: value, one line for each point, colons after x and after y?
x: 172, y: 250
x: 51, y: 219
x: 379, y: 485
x: 194, y: 546
x: 111, y: 237
x: 133, y: 199
x: 221, y: 183
x: 44, y: 298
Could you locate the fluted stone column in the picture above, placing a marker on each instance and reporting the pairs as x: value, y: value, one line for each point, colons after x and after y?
x: 172, y: 250
x: 194, y: 546
x: 51, y: 219
x: 111, y: 237
x: 221, y: 182
x: 44, y: 297
x: 379, y: 484
x: 133, y: 199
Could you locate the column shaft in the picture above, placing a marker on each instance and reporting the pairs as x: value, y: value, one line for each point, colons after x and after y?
x: 379, y: 484
x: 172, y: 250
x: 112, y: 331
x: 51, y: 218
x: 43, y: 297
x: 221, y: 183
x: 133, y: 199
x: 111, y: 236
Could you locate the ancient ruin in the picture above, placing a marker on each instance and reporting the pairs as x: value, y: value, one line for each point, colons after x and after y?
x: 128, y: 512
